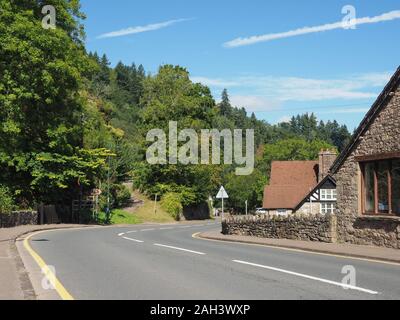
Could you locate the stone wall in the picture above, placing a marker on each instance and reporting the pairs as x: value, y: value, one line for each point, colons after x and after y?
x: 19, y: 218
x: 296, y: 227
x: 382, y: 136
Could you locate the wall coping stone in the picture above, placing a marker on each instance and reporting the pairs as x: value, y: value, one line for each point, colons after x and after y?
x: 379, y: 218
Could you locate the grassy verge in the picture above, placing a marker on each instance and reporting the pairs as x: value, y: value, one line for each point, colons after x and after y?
x: 142, y: 214
x: 119, y: 216
x: 146, y: 211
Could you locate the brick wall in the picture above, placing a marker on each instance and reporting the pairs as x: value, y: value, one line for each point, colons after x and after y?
x: 295, y: 226
x: 382, y: 136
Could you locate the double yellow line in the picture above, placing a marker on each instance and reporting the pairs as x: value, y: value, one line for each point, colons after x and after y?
x: 51, y: 277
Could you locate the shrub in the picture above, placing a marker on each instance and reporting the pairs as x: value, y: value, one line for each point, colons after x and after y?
x: 119, y: 197
x: 171, y: 203
x: 6, y: 201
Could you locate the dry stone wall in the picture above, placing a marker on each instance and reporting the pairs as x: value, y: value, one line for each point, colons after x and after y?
x: 296, y: 227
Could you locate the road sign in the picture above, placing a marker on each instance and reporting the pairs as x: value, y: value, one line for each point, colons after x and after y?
x: 222, y: 194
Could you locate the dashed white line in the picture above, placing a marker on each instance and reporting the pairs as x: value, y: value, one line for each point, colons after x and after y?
x: 121, y: 234
x: 180, y: 249
x: 131, y: 232
x: 134, y: 240
x: 339, y: 284
x: 169, y: 228
x: 185, y: 227
x: 144, y: 230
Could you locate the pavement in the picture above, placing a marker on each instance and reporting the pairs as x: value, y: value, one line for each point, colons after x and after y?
x: 166, y: 262
x: 347, y: 250
x: 14, y: 280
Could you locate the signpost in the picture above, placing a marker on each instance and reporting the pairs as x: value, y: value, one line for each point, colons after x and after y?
x: 155, y: 205
x: 222, y: 195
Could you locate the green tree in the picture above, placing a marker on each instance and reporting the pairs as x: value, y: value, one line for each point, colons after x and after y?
x: 245, y: 188
x: 6, y: 201
x: 292, y: 149
x: 171, y: 96
x: 41, y: 112
x: 225, y: 105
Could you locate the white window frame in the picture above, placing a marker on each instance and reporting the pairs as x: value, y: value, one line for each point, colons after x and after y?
x: 327, y: 207
x: 328, y: 195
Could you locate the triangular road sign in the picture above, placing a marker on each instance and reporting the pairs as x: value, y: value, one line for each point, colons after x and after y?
x: 222, y: 194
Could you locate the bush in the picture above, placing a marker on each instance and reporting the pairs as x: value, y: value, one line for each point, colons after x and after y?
x: 120, y: 196
x: 171, y: 203
x: 6, y: 201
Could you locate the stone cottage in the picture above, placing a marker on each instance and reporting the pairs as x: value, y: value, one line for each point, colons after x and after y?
x: 367, y: 175
x: 301, y: 186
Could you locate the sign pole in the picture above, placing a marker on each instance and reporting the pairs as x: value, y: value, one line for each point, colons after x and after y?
x: 222, y: 195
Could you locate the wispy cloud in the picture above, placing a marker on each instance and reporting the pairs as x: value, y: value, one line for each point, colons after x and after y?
x: 141, y: 29
x: 255, y: 103
x: 307, y: 30
x: 345, y: 111
x: 300, y: 89
x: 215, y: 82
x: 258, y: 93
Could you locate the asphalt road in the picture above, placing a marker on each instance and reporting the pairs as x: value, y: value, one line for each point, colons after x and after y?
x: 166, y: 262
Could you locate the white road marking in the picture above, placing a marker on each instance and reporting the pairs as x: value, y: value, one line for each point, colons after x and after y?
x: 121, y: 234
x: 135, y: 240
x: 131, y: 231
x: 144, y: 230
x: 181, y: 249
x: 169, y: 228
x: 339, y: 284
x: 185, y: 227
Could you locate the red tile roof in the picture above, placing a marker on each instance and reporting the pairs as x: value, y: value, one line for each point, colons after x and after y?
x: 290, y: 182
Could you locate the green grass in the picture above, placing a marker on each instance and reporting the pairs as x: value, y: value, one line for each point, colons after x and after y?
x: 142, y: 214
x: 119, y: 216
x: 146, y: 212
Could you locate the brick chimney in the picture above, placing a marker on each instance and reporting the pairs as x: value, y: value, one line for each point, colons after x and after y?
x: 326, y: 160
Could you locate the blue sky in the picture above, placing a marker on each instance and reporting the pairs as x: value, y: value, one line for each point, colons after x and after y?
x: 337, y: 73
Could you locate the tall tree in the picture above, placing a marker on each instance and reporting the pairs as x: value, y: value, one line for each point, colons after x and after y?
x: 225, y: 105
x: 41, y: 113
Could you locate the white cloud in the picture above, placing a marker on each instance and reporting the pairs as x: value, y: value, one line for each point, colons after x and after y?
x: 344, y: 111
x: 221, y: 83
x: 307, y: 30
x: 284, y: 119
x: 254, y: 103
x: 281, y: 89
x: 141, y: 29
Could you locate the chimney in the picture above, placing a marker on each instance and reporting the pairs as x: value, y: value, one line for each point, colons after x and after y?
x: 326, y: 160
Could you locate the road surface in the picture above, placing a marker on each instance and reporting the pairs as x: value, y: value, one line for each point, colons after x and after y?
x: 166, y: 262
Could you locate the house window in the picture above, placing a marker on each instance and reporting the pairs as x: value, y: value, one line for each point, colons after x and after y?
x: 328, y: 194
x: 328, y: 208
x: 381, y: 187
x: 281, y: 212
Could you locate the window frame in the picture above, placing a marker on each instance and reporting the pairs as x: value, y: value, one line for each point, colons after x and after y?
x: 389, y: 173
x: 330, y: 210
x: 324, y: 193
